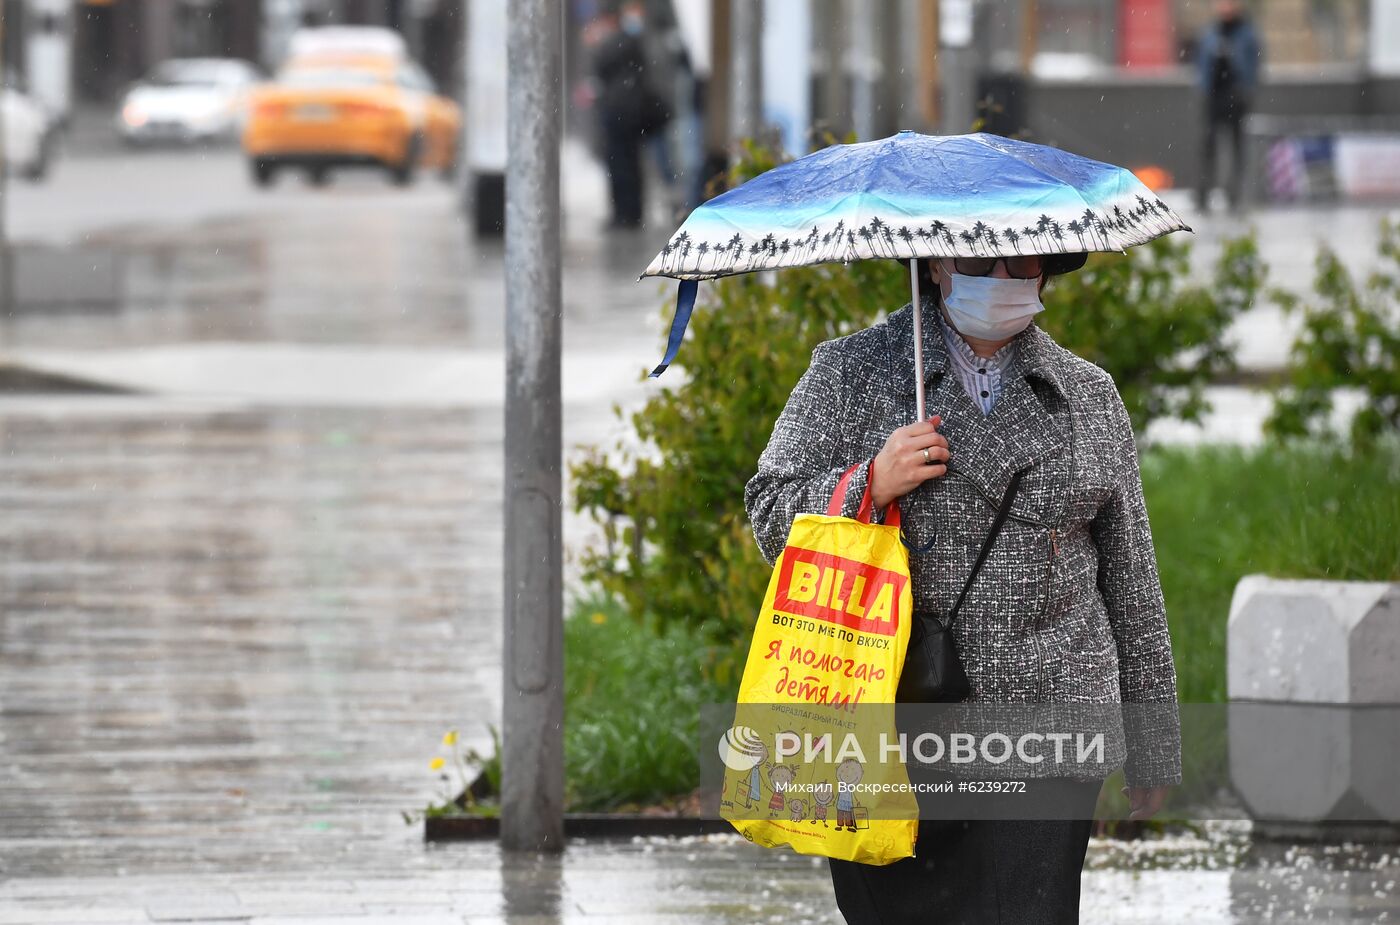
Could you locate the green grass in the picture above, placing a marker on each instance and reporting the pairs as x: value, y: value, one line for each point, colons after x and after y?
x: 1219, y: 513
x: 632, y: 696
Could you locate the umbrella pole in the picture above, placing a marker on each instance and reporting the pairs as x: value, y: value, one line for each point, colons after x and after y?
x: 918, y: 340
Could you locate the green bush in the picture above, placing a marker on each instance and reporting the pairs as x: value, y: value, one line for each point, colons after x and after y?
x: 1163, y: 340
x: 1350, y: 339
x: 678, y: 544
x: 679, y: 540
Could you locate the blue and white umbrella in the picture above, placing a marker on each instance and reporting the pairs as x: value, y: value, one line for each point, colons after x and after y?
x: 906, y: 197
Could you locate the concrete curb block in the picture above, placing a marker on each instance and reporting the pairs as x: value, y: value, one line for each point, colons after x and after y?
x: 1314, y: 641
x: 1314, y: 688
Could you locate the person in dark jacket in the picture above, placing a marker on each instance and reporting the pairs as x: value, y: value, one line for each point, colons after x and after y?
x: 1068, y: 609
x: 619, y: 62
x: 1228, y: 61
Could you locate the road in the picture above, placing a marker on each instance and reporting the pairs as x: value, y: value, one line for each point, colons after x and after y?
x: 136, y: 249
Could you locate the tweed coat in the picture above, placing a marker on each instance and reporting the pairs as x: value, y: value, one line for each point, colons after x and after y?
x: 1068, y: 606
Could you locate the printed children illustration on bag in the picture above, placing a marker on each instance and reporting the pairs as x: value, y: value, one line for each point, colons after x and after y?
x: 798, y: 808
x: 822, y: 796
x: 754, y: 792
x: 781, y: 777
x: 848, y: 774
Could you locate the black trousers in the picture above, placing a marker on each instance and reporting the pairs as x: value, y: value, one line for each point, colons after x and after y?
x: 978, y: 871
x: 623, y: 152
x: 1228, y: 122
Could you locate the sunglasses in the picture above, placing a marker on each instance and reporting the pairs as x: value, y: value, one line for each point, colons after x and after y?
x: 1019, y: 266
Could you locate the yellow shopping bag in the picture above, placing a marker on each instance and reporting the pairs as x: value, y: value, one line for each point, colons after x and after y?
x: 806, y: 760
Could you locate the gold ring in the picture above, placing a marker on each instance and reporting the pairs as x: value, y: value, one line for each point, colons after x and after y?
x: 927, y: 461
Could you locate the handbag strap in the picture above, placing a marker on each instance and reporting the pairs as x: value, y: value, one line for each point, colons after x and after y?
x: 867, y: 502
x: 991, y: 537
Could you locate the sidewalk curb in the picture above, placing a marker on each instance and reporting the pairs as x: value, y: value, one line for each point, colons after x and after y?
x: 578, y: 825
x: 620, y: 825
x: 18, y: 378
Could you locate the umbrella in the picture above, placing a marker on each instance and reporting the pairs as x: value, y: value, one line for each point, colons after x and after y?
x: 907, y: 197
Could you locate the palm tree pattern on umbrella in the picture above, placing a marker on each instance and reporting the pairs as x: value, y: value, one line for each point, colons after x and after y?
x: 1113, y: 228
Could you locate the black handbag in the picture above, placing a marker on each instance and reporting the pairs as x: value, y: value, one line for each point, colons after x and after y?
x: 932, y: 672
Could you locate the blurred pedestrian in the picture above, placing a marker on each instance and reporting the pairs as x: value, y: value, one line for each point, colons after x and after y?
x: 619, y: 64
x: 1228, y: 61
x: 667, y: 64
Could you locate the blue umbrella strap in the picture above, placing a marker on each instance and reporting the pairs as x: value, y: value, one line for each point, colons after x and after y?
x: 685, y: 304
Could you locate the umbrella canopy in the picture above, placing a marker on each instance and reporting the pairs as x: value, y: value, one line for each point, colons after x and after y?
x: 911, y: 196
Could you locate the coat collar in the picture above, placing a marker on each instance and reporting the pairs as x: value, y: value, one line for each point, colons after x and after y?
x: 1025, y: 426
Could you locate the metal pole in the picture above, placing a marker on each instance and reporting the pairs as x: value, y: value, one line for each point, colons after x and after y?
x: 864, y: 68
x: 1030, y: 34
x: 464, y: 174
x: 532, y: 710
x: 930, y: 74
x: 6, y: 288
x: 958, y: 68
x: 746, y: 59
x: 918, y: 341
x: 718, y: 94
x: 839, y: 89
x: 911, y: 70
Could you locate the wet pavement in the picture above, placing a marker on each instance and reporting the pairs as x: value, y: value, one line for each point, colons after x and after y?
x: 239, y: 608
x: 160, y: 247
x: 183, y: 249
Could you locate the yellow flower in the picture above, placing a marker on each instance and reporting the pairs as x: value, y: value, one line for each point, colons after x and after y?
x: 437, y: 764
x: 599, y: 617
x: 450, y: 738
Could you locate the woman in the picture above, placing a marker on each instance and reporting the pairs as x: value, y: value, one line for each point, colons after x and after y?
x: 1067, y: 607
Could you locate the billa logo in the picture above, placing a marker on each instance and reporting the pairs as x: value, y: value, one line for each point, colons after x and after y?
x: 839, y: 590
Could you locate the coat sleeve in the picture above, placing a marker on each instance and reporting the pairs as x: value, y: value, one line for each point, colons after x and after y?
x: 1132, y: 594
x: 799, y: 469
x: 1205, y: 50
x: 1254, y: 50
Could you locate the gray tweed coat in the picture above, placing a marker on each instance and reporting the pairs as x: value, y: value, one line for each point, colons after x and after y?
x: 1068, y: 607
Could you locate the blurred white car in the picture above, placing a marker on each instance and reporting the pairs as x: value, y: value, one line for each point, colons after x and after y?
x: 28, y: 135
x: 188, y: 99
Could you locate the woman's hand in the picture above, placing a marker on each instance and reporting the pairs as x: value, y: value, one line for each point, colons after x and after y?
x: 1146, y: 802
x: 900, y: 466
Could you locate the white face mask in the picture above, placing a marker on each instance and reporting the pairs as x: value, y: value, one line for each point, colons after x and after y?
x: 992, y: 308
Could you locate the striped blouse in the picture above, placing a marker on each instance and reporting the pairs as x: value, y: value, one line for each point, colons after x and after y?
x: 981, y: 376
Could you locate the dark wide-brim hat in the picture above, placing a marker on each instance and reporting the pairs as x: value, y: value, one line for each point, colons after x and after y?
x: 1053, y: 265
x: 1057, y: 264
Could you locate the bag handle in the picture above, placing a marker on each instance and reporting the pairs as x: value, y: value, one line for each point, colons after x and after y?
x: 867, y: 500
x: 987, y: 544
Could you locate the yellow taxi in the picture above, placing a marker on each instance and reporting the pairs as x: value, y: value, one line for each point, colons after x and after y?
x: 331, y: 110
